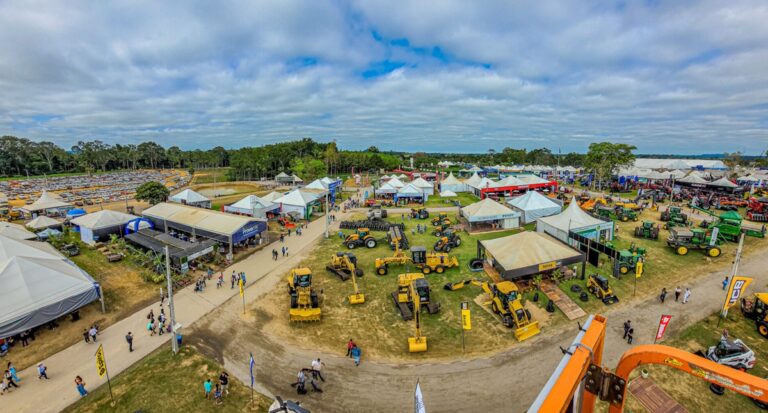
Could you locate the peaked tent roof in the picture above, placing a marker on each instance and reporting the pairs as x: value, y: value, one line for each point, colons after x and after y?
x: 528, y: 248
x: 189, y: 196
x: 47, y: 200
x: 410, y: 189
x: 251, y: 202
x: 532, y: 179
x: 42, y: 222
x: 447, y: 194
x: 693, y: 178
x: 421, y: 183
x: 15, y: 231
x: 282, y: 175
x: 572, y: 218
x: 511, y: 181
x: 270, y: 197
x: 450, y: 180
x: 473, y: 180
x: 487, y: 208
x: 103, y: 219
x: 199, y: 218
x: 296, y: 178
x: 532, y: 200
x: 723, y: 182
x: 316, y: 184
x: 296, y: 197
x: 396, y: 183
x: 677, y: 173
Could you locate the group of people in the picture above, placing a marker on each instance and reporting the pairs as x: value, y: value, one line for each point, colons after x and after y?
x: 418, y: 229
x: 218, y: 391
x: 11, y: 378
x: 354, y: 351
x: 314, y: 373
x: 236, y: 278
x: 276, y: 255
x: 679, y: 292
x: 158, y: 326
x: 89, y: 334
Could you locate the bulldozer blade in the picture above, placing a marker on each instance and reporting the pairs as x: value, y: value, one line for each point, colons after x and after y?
x: 358, y: 298
x: 524, y: 333
x: 610, y: 300
x: 304, y: 314
x: 417, y: 344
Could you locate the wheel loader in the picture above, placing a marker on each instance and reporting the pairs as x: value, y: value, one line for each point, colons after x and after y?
x: 756, y: 308
x: 506, y: 303
x: 410, y: 287
x: 441, y: 218
x: 448, y: 241
x: 647, y: 230
x: 361, y: 237
x: 344, y: 264
x: 599, y: 287
x: 305, y: 300
x: 419, y: 213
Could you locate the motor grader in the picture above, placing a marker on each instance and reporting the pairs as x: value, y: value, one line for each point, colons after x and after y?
x: 361, y: 237
x: 428, y: 262
x: 506, y: 303
x: 410, y: 287
x: 305, y: 300
x: 344, y: 264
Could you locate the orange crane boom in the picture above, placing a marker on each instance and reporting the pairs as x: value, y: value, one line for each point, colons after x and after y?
x: 580, y: 380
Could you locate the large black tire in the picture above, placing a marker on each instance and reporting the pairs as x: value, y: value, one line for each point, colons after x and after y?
x: 359, y: 272
x: 315, y: 301
x: 576, y: 288
x: 426, y: 270
x: 371, y: 243
x: 476, y: 264
x: 458, y: 241
x: 447, y: 248
x: 382, y: 270
x: 584, y: 296
x: 528, y: 314
x: 439, y: 269
x: 351, y: 245
x: 294, y: 301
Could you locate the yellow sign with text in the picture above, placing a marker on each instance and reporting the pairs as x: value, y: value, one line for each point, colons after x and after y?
x: 466, y: 319
x: 240, y: 284
x: 547, y: 266
x: 101, y: 363
x: 639, y: 269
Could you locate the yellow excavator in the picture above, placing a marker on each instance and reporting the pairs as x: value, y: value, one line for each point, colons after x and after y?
x: 413, y: 287
x: 305, y: 301
x: 428, y: 262
x: 345, y: 266
x: 417, y: 343
x: 591, y: 203
x: 506, y: 303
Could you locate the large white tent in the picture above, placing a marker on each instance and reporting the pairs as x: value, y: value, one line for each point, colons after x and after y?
x: 42, y: 222
x: 252, y: 205
x: 451, y: 183
x: 491, y: 212
x: 47, y: 201
x: 15, y: 231
x: 386, y: 188
x: 298, y: 202
x: 534, y: 205
x: 191, y: 198
x: 395, y: 182
x: 723, y: 183
x: 472, y: 181
x: 39, y: 285
x: 97, y: 226
x: 693, y: 179
x: 575, y: 219
x: 424, y: 186
x: 270, y: 197
x: 412, y: 191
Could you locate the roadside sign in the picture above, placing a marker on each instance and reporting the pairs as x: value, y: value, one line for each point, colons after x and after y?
x: 101, y: 363
x: 466, y: 317
x: 736, y: 290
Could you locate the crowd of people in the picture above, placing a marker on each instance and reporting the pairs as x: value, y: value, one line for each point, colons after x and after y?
x: 219, y: 391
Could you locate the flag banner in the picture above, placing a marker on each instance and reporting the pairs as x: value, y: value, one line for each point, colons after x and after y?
x: 736, y: 290
x: 663, y: 323
x: 101, y: 362
x: 251, y: 363
x: 418, y: 398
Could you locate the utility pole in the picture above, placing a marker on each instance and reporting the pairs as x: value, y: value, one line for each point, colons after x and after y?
x: 327, y: 213
x: 174, y: 343
x: 734, y: 271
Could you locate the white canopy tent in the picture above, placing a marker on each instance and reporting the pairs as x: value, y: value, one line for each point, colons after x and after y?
x: 15, y: 231
x: 490, y: 211
x: 252, y: 205
x: 386, y: 189
x: 412, y: 191
x: 451, y: 183
x: 424, y: 186
x: 723, y: 183
x: 692, y: 179
x: 39, y: 285
x: 42, y: 222
x: 395, y: 182
x: 47, y: 201
x: 447, y: 194
x: 191, y: 198
x: 270, y: 197
x: 534, y: 205
x: 298, y: 202
x: 97, y: 226
x: 472, y: 181
x: 575, y: 219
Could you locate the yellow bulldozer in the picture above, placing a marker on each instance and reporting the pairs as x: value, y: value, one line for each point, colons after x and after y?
x: 305, y: 300
x: 361, y: 237
x: 506, y: 303
x: 345, y: 266
x: 413, y: 287
x: 427, y: 262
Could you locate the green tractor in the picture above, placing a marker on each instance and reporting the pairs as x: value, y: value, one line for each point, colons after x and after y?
x: 647, y: 230
x: 674, y: 217
x: 618, y: 213
x: 729, y: 225
x: 684, y: 239
x: 629, y: 258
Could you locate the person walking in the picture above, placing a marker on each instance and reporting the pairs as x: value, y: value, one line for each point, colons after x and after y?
x: 725, y: 283
x: 677, y: 293
x: 686, y: 295
x: 301, y: 379
x: 9, y: 379
x: 627, y: 327
x: 42, y: 371
x: 356, y: 354
x: 283, y: 250
x: 151, y: 327
x: 129, y: 339
x: 350, y: 344
x: 92, y: 332
x: 234, y: 279
x: 160, y: 326
x: 217, y: 395
x: 317, y: 365
x: 224, y: 381
x: 80, y: 386
x: 86, y: 336
x: 286, y: 251
x: 629, y: 335
x: 663, y: 295
x: 12, y: 370
x: 207, y: 387
x: 242, y: 277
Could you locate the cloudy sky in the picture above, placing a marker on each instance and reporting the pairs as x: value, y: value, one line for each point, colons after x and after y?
x: 668, y: 76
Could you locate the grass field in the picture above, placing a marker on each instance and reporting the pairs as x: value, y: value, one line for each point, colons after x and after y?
x: 162, y: 382
x: 377, y: 326
x: 693, y: 393
x: 208, y: 176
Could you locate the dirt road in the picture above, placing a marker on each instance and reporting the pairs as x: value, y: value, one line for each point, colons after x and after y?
x: 507, y: 381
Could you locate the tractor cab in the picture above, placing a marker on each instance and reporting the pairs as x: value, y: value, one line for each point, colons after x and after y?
x: 301, y: 277
x: 755, y: 308
x: 507, y: 292
x: 421, y: 285
x: 419, y: 255
x: 602, y: 282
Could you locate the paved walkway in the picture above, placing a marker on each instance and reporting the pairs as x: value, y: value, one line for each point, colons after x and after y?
x: 59, y: 392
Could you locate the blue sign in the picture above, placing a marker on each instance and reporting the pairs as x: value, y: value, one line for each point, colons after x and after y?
x: 249, y: 230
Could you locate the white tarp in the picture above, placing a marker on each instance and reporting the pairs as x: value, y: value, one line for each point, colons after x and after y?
x: 534, y: 205
x: 39, y: 285
x: 447, y: 194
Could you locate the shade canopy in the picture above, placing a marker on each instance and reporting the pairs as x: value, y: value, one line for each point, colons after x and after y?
x: 189, y: 196
x: 47, y: 200
x: 103, y: 219
x: 534, y: 205
x: 527, y: 253
x: 487, y: 210
x: 15, y: 231
x: 42, y: 222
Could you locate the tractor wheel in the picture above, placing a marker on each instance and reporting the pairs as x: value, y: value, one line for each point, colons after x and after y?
x: 634, y: 219
x: 381, y: 270
x: 358, y: 272
x: 682, y: 250
x: 623, y: 269
x: 763, y: 330
x: 351, y: 245
x: 438, y: 234
x: 371, y: 243
x: 447, y: 248
x: 439, y: 269
x: 458, y: 241
x: 637, y: 232
x: 714, y: 252
x: 294, y: 301
x: 624, y: 218
x: 426, y: 270
x: 528, y: 314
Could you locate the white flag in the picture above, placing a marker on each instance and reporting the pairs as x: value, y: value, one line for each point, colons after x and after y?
x: 418, y: 400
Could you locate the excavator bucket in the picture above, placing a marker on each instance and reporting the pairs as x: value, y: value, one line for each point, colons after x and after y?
x: 358, y: 298
x: 454, y: 262
x: 417, y: 344
x: 304, y: 314
x: 528, y: 331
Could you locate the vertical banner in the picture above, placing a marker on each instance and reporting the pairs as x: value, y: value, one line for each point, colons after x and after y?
x: 466, y: 316
x: 418, y: 400
x: 639, y: 268
x: 101, y: 362
x: 736, y: 290
x: 713, y: 238
x: 663, y: 323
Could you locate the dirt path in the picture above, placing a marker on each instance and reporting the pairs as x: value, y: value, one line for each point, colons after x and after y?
x: 482, y: 384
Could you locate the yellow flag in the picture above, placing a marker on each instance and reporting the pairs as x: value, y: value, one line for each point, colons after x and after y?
x: 240, y: 283
x: 736, y: 290
x: 101, y: 363
x: 639, y: 269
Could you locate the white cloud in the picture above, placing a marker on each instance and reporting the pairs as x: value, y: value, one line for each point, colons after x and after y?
x: 559, y: 74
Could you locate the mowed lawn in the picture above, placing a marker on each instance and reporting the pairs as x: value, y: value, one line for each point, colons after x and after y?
x: 162, y: 382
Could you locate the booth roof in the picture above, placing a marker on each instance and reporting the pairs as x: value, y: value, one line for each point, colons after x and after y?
x: 204, y: 219
x: 532, y: 200
x: 487, y: 208
x: 15, y: 231
x: 189, y: 196
x: 572, y: 218
x: 103, y: 219
x: 527, y: 249
x: 451, y: 180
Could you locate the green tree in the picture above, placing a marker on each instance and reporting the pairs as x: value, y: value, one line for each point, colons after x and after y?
x: 153, y: 192
x: 606, y: 158
x: 373, y: 149
x: 732, y: 160
x: 308, y: 168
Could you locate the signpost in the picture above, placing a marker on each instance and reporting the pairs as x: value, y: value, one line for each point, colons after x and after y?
x: 466, y: 321
x: 101, y: 368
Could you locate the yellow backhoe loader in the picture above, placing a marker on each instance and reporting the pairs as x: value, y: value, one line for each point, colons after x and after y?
x: 305, y: 301
x: 344, y: 265
x: 506, y: 303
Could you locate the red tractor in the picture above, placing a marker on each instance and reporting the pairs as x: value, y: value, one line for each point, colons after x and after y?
x: 757, y: 209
